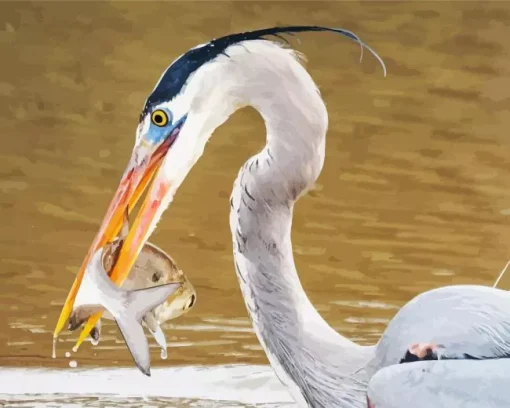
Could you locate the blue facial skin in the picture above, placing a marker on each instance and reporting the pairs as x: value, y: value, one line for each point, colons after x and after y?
x: 157, y: 134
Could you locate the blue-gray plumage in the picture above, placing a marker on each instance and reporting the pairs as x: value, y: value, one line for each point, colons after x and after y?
x: 442, y: 384
x: 466, y: 321
x: 320, y: 367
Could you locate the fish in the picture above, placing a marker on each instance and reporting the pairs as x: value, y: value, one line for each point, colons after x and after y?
x: 153, y: 269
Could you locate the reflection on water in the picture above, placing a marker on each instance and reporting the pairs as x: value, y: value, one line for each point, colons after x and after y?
x: 225, y: 386
x: 50, y: 401
x: 415, y: 191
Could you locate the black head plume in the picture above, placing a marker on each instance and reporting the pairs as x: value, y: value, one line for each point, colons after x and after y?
x: 176, y: 75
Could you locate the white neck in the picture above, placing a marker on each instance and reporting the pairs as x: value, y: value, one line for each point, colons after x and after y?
x: 320, y: 367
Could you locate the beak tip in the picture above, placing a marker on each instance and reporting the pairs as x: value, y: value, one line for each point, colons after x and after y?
x: 132, y: 184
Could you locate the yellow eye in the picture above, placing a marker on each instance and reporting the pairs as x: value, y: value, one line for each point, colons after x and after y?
x: 159, y: 118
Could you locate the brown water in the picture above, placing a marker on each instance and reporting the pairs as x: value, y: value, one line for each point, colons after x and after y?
x: 415, y: 191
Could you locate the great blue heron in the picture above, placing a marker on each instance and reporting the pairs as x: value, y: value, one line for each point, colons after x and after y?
x: 320, y: 367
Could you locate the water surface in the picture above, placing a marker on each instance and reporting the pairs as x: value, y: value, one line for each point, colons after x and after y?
x: 191, y: 386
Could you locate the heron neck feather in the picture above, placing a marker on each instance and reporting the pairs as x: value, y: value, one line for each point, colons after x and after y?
x: 320, y: 367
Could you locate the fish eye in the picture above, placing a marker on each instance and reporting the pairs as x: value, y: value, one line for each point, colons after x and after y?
x: 159, y: 118
x: 191, y: 301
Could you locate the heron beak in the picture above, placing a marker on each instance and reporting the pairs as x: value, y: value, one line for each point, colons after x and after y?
x: 144, y: 163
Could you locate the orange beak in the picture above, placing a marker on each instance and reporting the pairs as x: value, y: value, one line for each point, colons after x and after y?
x: 144, y: 163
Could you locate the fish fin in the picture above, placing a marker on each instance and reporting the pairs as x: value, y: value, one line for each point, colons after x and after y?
x: 155, y: 329
x: 150, y: 321
x: 74, y: 322
x: 159, y: 336
x: 80, y: 315
x: 136, y: 342
x: 95, y: 333
x: 137, y: 304
x: 142, y: 301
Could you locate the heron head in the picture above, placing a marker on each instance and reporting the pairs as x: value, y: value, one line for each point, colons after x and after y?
x: 174, y: 127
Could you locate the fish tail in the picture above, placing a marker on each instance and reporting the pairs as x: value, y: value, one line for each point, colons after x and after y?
x: 136, y: 305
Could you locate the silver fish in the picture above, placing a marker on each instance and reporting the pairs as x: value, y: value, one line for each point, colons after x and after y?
x: 152, y: 269
x: 127, y: 307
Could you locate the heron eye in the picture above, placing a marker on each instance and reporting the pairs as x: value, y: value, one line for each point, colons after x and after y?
x: 159, y: 118
x: 156, y: 277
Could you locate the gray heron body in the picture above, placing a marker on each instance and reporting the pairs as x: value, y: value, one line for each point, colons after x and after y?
x: 465, y: 326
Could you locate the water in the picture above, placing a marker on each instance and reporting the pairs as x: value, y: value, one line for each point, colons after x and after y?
x: 415, y: 191
x: 193, y: 386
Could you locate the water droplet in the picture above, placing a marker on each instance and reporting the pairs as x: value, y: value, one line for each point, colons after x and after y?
x: 68, y: 354
x: 75, y: 349
x: 54, y: 353
x: 73, y: 364
x: 164, y: 354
